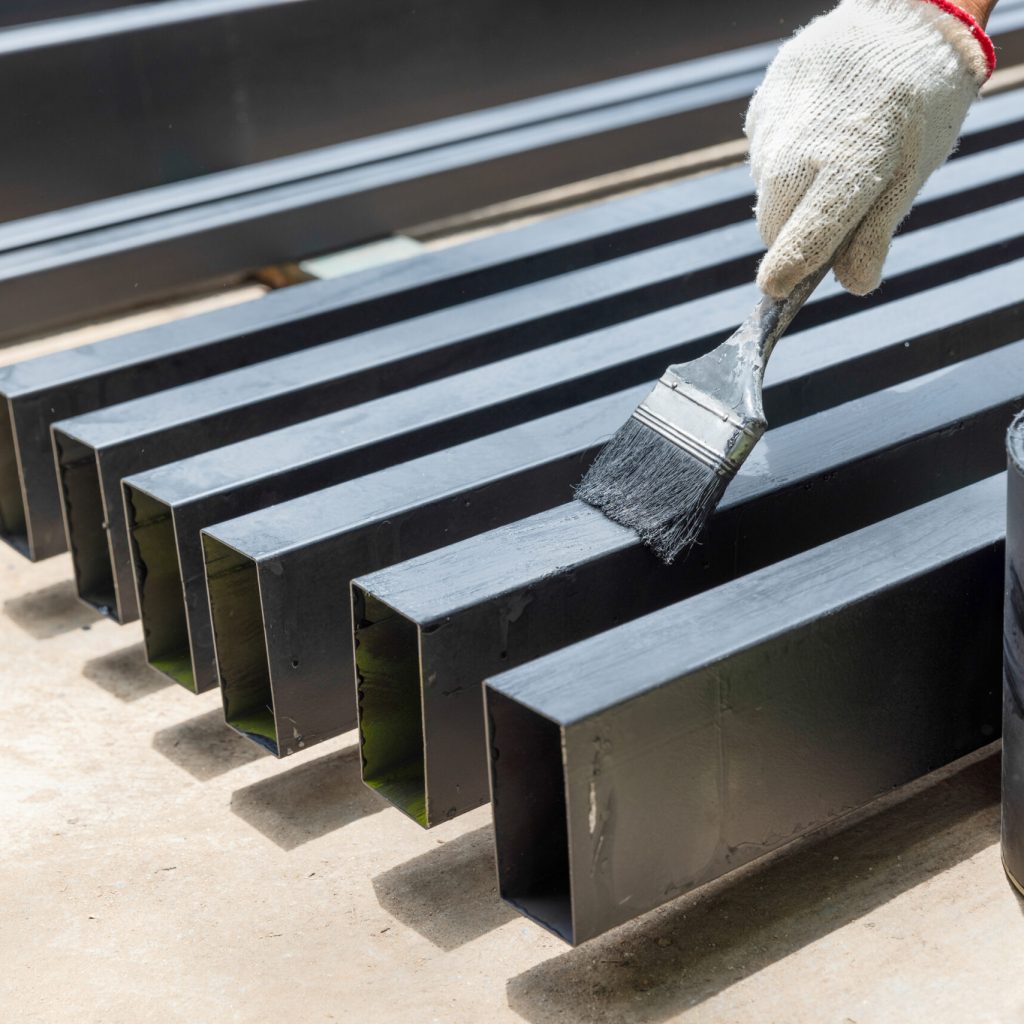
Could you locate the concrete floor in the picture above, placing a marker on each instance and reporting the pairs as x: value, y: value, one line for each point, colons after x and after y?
x: 156, y: 867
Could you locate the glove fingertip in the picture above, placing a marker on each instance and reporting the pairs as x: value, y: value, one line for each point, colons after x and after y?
x: 777, y: 277
x: 859, y: 273
x: 859, y: 268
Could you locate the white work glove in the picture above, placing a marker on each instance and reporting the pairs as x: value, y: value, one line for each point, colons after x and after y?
x: 854, y: 114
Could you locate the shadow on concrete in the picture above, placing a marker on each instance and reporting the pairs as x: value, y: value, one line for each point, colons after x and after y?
x: 204, y: 746
x: 449, y: 894
x: 681, y: 955
x: 125, y: 673
x: 309, y: 801
x: 51, y: 611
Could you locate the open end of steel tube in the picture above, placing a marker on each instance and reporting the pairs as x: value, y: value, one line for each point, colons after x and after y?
x: 390, y: 706
x: 158, y: 582
x: 13, y: 526
x: 530, y: 813
x: 236, y: 611
x: 85, y: 521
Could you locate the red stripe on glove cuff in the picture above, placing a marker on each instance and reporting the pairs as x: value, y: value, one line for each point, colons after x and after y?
x: 976, y: 30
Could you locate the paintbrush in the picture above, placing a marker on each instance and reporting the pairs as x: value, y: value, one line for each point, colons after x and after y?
x: 665, y: 470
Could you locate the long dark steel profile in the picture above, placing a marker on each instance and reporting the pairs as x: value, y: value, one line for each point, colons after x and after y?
x: 277, y: 578
x: 662, y: 754
x: 227, y: 482
x: 178, y: 422
x: 502, y: 598
x: 41, y: 391
x: 113, y: 74
x: 298, y: 664
x: 600, y: 128
x: 38, y: 392
x: 265, y: 41
x: 45, y: 283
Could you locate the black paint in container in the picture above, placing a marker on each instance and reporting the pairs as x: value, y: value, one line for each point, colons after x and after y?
x: 1013, y: 662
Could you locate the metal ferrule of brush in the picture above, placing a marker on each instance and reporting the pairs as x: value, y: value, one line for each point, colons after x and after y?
x: 711, y: 407
x: 708, y: 431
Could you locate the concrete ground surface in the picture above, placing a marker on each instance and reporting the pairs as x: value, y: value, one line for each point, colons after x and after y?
x: 158, y: 868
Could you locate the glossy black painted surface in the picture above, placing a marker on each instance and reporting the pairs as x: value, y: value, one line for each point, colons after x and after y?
x: 251, y: 474
x: 674, y: 749
x: 505, y: 597
x: 38, y: 392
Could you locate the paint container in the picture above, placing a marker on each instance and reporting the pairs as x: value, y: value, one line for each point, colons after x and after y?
x: 1013, y: 662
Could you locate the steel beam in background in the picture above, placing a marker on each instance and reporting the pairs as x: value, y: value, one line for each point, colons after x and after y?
x: 348, y: 68
x: 665, y: 753
x: 138, y: 206
x: 249, y: 475
x: 46, y: 284
x: 463, y: 613
x: 40, y: 391
x: 135, y: 436
x: 285, y: 669
x: 277, y: 578
x: 43, y: 284
x: 375, y: 150
x: 53, y: 66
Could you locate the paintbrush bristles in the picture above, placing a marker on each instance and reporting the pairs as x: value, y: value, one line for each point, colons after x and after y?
x: 645, y: 482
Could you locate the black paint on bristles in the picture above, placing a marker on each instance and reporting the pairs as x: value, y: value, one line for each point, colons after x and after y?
x: 645, y: 482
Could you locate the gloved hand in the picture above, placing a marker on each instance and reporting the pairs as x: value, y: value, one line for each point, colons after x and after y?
x: 854, y: 114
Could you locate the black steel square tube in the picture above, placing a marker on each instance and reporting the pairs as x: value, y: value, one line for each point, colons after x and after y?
x: 134, y: 436
x: 276, y: 578
x: 501, y: 598
x: 491, y: 156
x: 206, y: 489
x: 296, y: 552
x: 662, y: 754
x: 226, y: 482
x: 41, y: 391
